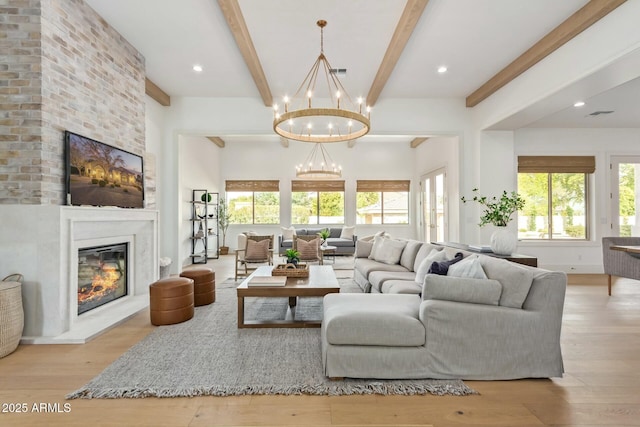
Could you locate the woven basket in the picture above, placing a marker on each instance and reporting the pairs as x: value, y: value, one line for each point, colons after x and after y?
x: 11, y: 317
x: 285, y: 270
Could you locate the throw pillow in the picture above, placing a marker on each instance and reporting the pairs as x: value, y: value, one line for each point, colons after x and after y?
x: 390, y: 251
x: 409, y: 253
x: 308, y: 249
x: 288, y: 233
x: 516, y: 280
x: 378, y: 240
x: 442, y: 267
x: 461, y: 289
x: 348, y: 232
x: 468, y: 267
x: 257, y: 251
x: 363, y: 248
x: 425, y: 264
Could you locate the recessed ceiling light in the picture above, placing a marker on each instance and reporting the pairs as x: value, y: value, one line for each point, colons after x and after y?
x: 442, y: 69
x: 579, y: 104
x: 197, y: 68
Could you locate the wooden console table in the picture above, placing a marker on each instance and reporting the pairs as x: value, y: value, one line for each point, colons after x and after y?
x: 517, y: 258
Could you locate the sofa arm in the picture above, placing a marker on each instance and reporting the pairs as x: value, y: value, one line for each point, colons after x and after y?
x: 483, y: 341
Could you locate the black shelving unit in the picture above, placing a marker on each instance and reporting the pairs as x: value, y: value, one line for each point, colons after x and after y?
x: 204, y: 226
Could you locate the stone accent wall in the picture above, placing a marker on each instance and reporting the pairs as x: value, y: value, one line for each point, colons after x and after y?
x: 87, y: 79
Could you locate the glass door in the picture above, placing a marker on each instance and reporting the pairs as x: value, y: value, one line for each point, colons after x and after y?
x: 434, y: 203
x: 625, y: 196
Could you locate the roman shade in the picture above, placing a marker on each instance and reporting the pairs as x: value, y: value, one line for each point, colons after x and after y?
x: 382, y: 185
x: 556, y: 164
x: 249, y: 185
x: 300, y: 185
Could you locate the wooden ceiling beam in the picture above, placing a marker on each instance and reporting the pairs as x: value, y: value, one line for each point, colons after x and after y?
x: 407, y: 23
x: 216, y: 140
x: 151, y: 89
x: 588, y: 15
x: 417, y: 141
x: 237, y: 25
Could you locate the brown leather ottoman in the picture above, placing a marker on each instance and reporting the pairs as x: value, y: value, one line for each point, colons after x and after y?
x: 171, y: 300
x: 204, y: 285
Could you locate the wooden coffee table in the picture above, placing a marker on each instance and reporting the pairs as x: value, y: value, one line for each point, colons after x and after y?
x: 321, y: 281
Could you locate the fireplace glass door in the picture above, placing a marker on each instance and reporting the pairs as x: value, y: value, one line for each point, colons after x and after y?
x: 102, y: 275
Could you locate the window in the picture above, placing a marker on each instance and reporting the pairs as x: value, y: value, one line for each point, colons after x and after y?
x: 555, y: 189
x: 253, y: 202
x: 382, y: 202
x: 317, y: 202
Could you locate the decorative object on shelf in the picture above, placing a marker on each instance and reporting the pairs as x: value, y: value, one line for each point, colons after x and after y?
x: 318, y: 165
x: 224, y: 218
x: 316, y: 114
x: 498, y: 212
x: 302, y: 270
x: 293, y: 257
x: 204, y: 228
x: 206, y: 197
x: 324, y: 235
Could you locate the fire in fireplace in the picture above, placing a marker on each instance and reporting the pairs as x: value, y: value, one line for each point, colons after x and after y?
x: 102, y: 275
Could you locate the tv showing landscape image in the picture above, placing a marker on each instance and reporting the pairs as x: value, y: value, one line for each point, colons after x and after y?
x: 101, y: 175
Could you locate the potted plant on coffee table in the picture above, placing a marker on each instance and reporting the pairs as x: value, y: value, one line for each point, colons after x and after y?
x: 224, y: 218
x: 293, y: 256
x: 498, y: 212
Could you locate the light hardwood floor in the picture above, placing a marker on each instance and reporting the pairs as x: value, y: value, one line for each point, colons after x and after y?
x: 601, y: 387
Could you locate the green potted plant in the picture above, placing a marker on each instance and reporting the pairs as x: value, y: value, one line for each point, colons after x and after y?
x: 324, y: 235
x: 498, y: 212
x: 224, y: 218
x: 293, y: 256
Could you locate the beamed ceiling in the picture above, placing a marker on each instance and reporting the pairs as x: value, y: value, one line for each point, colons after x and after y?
x: 390, y: 48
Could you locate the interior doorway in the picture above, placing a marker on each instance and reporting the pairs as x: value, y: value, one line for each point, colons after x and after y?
x: 434, y: 206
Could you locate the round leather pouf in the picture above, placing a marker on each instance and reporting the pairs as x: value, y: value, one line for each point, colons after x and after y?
x: 171, y: 301
x: 204, y: 285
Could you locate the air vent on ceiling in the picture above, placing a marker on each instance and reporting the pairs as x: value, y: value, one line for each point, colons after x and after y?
x: 340, y: 72
x: 597, y: 113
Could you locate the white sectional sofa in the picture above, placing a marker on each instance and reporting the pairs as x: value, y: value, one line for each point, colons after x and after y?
x: 503, y: 326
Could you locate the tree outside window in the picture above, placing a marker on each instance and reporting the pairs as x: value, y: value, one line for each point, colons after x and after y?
x: 254, y: 207
x: 317, y: 207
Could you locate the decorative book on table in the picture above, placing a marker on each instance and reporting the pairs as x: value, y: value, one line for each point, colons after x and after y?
x: 268, y: 281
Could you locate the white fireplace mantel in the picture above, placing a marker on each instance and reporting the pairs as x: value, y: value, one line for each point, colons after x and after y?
x: 41, y: 242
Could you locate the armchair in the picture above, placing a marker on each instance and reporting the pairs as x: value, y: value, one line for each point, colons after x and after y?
x: 256, y: 250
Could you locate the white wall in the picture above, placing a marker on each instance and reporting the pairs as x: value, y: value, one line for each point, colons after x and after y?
x: 154, y: 156
x: 199, y: 170
x: 579, y: 257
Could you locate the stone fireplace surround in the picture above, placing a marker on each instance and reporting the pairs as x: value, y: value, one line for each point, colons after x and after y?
x: 42, y: 243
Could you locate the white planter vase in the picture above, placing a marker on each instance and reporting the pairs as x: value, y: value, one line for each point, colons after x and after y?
x: 503, y: 241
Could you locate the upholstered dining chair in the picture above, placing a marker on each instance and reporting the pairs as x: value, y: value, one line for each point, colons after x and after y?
x: 257, y: 250
x: 309, y: 248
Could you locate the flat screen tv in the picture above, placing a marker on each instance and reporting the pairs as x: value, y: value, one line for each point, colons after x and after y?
x: 98, y: 174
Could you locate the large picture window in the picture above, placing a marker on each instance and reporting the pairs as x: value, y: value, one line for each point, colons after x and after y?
x: 556, y: 193
x: 317, y: 202
x: 253, y: 202
x: 382, y: 202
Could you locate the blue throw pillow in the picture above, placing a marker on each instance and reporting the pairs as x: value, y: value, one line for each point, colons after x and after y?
x: 442, y: 267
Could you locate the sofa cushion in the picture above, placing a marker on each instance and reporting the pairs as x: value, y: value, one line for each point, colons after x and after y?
x: 462, y: 289
x: 363, y: 248
x: 425, y: 265
x: 424, y: 251
x: 378, y: 278
x: 409, y: 253
x: 287, y: 243
x: 516, y: 280
x: 337, y: 241
x: 348, y: 232
x: 373, y: 319
x: 390, y: 251
x: 334, y: 232
x: 442, y: 267
x: 365, y: 266
x: 288, y: 233
x: 468, y: 267
x: 396, y: 286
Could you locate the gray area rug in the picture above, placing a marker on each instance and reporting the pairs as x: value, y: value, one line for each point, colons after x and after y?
x: 209, y: 355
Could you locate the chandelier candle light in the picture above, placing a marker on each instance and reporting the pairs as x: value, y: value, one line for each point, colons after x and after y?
x: 315, y: 116
x: 318, y: 165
